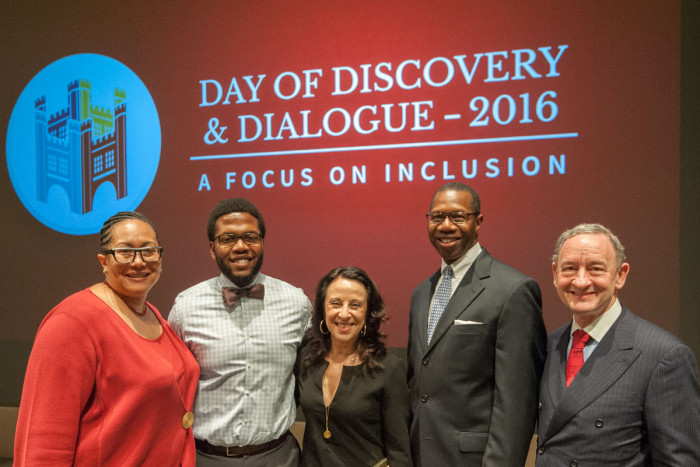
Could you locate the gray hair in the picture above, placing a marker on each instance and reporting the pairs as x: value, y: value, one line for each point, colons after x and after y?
x: 582, y: 229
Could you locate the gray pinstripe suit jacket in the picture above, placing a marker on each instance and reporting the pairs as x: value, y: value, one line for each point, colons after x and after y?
x: 635, y: 402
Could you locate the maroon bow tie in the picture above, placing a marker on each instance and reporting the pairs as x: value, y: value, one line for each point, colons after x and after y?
x: 232, y: 296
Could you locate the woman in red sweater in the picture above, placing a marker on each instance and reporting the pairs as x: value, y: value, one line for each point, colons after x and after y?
x: 108, y: 383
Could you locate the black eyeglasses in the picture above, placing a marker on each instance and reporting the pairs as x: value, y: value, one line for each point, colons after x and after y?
x: 457, y: 217
x: 149, y: 254
x: 230, y: 239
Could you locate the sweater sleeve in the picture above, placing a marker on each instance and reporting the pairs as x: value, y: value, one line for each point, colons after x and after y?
x: 57, y: 387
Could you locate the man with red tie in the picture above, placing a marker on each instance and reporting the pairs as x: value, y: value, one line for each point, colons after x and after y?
x: 617, y: 390
x: 245, y: 329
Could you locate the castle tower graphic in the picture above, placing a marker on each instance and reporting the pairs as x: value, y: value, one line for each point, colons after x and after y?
x: 81, y: 146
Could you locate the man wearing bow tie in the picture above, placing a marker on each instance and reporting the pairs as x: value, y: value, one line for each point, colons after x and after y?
x: 244, y: 328
x: 616, y: 390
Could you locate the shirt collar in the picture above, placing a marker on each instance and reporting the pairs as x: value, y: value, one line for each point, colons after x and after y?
x: 602, y: 324
x: 224, y: 281
x: 460, y: 267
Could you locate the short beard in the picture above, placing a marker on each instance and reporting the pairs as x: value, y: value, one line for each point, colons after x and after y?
x: 240, y: 281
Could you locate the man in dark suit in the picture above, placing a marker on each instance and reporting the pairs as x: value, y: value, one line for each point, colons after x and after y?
x: 476, y: 347
x: 617, y: 390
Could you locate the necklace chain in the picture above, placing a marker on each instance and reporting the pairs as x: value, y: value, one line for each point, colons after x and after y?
x: 352, y: 358
x: 327, y: 433
x: 123, y: 299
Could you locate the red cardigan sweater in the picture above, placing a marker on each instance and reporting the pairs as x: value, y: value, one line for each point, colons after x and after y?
x: 98, y: 394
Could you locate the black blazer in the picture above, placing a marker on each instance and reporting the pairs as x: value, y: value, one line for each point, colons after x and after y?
x: 474, y: 390
x: 636, y: 400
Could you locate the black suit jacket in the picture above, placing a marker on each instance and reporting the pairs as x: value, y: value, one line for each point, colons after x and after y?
x: 635, y: 401
x: 474, y: 388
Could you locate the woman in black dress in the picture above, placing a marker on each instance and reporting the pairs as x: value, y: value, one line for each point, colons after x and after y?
x: 353, y: 393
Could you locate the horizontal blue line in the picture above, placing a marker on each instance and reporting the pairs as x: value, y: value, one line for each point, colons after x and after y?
x: 103, y: 175
x: 58, y: 177
x: 388, y: 146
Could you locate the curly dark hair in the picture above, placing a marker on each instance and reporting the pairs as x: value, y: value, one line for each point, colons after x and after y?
x: 227, y: 206
x: 370, y: 346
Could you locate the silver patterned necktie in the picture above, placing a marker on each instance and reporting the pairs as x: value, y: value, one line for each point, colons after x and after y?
x: 442, y: 296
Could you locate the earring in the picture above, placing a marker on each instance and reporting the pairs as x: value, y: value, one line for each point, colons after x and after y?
x: 364, y: 330
x: 320, y: 327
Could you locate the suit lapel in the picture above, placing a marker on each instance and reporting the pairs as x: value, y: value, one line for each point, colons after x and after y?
x: 467, y: 290
x: 424, y: 304
x: 608, y: 362
x: 556, y: 368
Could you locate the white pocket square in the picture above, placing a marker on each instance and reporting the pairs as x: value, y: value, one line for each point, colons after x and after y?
x: 460, y: 321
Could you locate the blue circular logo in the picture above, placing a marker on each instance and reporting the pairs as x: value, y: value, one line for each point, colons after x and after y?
x: 83, y: 143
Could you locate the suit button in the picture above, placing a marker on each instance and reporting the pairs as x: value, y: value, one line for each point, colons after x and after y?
x: 573, y: 463
x: 599, y: 423
x: 540, y: 451
x: 424, y: 398
x: 426, y: 360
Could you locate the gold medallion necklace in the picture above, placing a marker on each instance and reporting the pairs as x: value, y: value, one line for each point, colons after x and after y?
x: 351, y: 358
x: 327, y: 433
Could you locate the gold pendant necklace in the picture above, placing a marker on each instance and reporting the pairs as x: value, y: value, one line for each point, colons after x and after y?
x: 327, y: 433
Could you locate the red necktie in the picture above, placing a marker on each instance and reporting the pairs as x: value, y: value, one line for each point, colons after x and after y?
x: 232, y: 296
x: 575, y: 361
